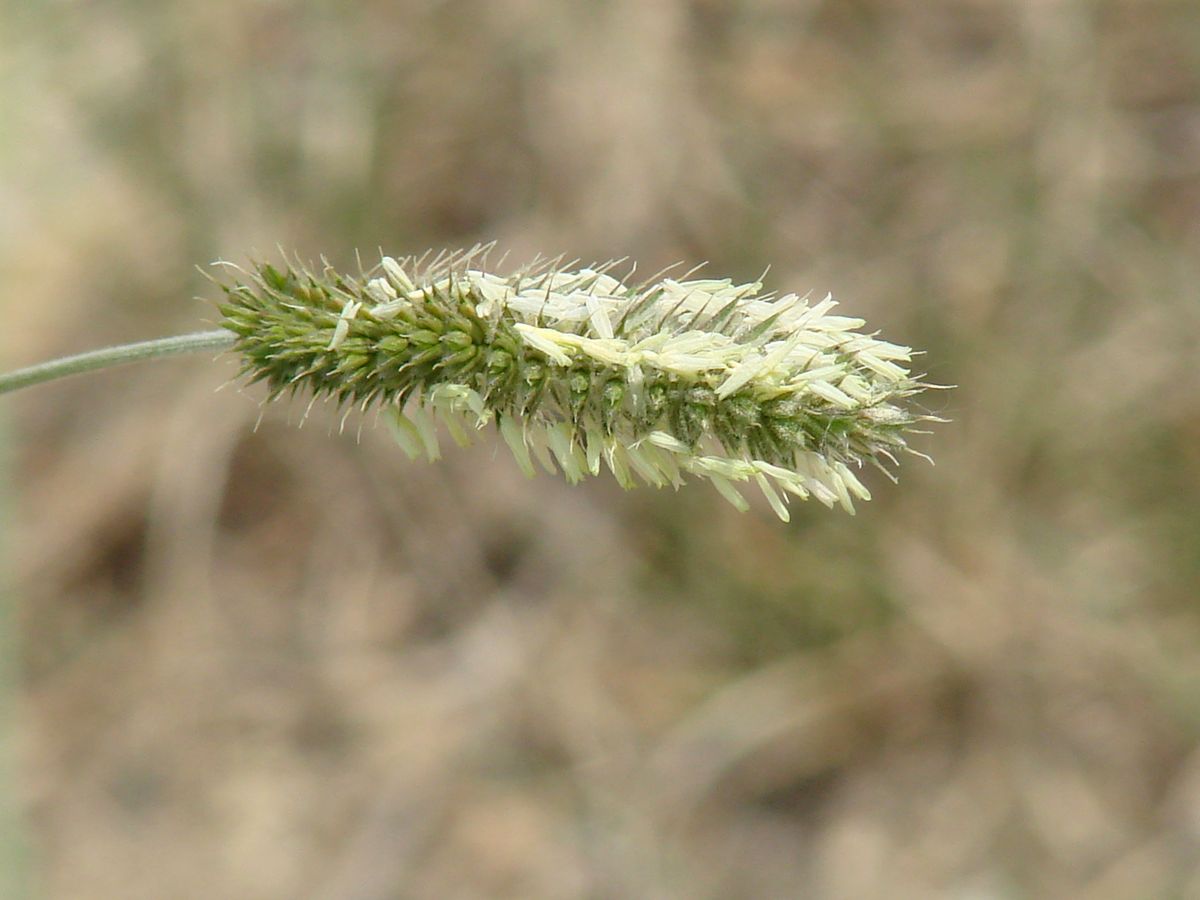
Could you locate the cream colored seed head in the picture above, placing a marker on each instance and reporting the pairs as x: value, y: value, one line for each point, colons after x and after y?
x: 657, y: 380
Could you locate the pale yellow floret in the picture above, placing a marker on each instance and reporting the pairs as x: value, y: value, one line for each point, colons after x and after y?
x: 514, y: 436
x: 772, y: 496
x: 342, y: 328
x: 405, y: 434
x: 729, y: 492
x: 396, y: 274
x: 545, y: 340
x: 381, y: 290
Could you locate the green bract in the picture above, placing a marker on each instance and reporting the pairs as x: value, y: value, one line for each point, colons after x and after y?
x: 652, y: 380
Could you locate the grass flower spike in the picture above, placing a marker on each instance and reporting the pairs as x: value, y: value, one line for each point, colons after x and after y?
x: 580, y: 371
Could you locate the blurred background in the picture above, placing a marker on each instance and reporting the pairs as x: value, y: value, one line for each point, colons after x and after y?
x: 288, y: 663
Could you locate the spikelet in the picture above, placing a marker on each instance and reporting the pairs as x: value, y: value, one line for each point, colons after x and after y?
x: 581, y: 371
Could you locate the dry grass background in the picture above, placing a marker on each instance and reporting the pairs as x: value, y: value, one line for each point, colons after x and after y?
x: 290, y: 664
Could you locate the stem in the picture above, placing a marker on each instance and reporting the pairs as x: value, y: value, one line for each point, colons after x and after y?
x: 115, y: 356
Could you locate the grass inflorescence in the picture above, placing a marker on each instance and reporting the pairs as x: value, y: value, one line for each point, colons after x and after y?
x: 582, y: 370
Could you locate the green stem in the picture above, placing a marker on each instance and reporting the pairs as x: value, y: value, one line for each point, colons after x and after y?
x: 115, y: 356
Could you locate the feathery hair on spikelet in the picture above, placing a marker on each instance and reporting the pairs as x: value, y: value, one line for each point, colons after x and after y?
x: 653, y: 380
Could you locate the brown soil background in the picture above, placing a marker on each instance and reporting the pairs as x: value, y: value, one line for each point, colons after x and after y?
x: 288, y: 663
